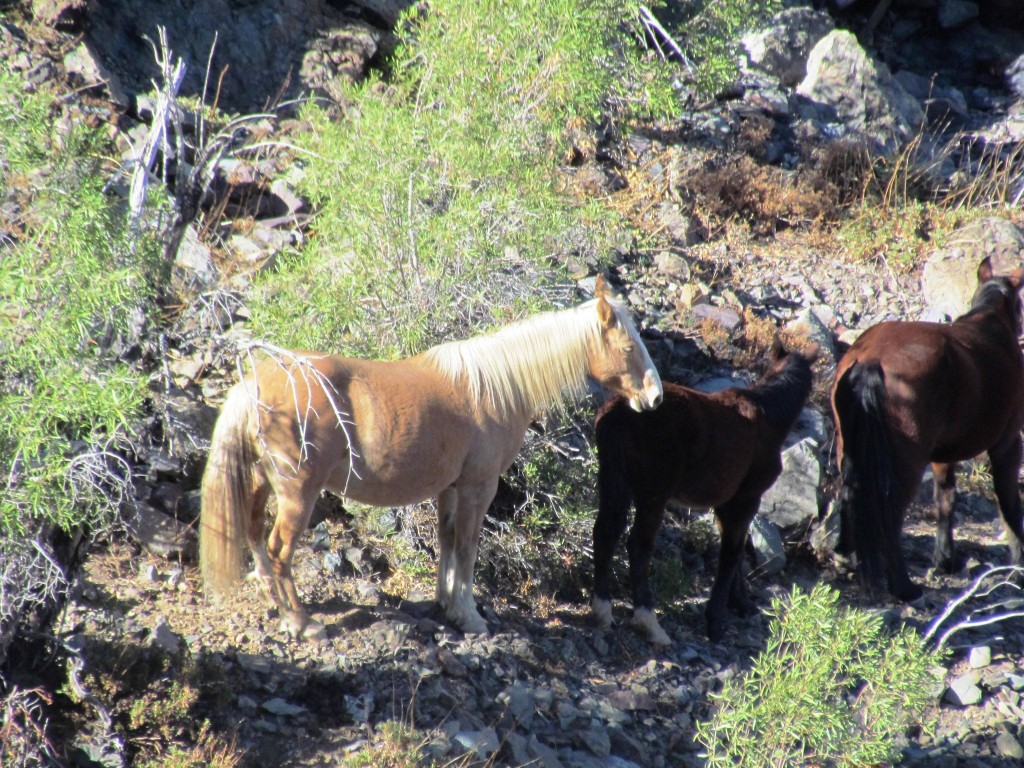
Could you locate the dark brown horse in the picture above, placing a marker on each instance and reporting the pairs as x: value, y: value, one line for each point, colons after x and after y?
x: 907, y: 394
x: 718, y: 450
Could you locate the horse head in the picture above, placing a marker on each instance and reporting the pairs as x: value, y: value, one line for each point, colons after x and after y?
x: 620, y: 360
x: 1004, y: 290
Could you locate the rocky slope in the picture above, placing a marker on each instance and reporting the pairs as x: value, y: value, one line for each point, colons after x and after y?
x: 547, y: 687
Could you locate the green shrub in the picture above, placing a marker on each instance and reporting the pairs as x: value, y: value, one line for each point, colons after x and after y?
x: 832, y: 688
x: 439, y: 205
x: 73, y: 288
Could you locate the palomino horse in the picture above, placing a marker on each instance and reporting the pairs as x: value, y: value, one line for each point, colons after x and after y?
x: 718, y: 450
x: 907, y: 394
x: 443, y: 424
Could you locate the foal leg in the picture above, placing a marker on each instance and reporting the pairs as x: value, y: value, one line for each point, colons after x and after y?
x: 944, y: 485
x: 293, y: 510
x: 447, y: 507
x: 733, y: 520
x: 1006, y: 461
x: 473, y: 501
x: 640, y: 545
x: 612, y: 516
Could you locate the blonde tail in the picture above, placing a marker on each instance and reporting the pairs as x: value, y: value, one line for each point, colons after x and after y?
x: 228, y: 485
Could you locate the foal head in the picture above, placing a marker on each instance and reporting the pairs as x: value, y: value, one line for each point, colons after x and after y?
x: 619, y: 360
x: 1000, y: 293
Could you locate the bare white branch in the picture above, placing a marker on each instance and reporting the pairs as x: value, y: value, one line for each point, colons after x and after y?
x: 985, y: 611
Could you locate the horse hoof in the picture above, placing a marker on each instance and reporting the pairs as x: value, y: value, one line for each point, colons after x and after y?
x: 315, y: 632
x: 645, y: 619
x: 602, y: 610
x: 474, y: 625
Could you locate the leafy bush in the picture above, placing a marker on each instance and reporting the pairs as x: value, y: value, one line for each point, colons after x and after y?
x: 832, y: 688
x: 74, y: 289
x: 438, y: 199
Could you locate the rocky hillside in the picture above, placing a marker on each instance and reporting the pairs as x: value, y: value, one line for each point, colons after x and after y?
x: 751, y: 192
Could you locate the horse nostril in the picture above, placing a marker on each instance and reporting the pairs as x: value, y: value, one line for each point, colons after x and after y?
x: 656, y: 401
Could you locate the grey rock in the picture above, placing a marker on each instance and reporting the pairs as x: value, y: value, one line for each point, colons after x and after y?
x: 825, y: 536
x: 769, y: 550
x: 964, y: 690
x: 950, y: 275
x: 672, y: 265
x: 161, y: 534
x: 956, y: 13
x: 782, y: 49
x: 861, y: 91
x: 1007, y: 745
x: 980, y: 656
x: 279, y: 706
x: 596, y: 740
x: 483, y: 743
x: 164, y: 637
x: 545, y: 756
x: 792, y: 502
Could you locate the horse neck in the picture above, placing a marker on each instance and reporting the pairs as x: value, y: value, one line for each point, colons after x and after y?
x: 781, y: 397
x: 525, y: 367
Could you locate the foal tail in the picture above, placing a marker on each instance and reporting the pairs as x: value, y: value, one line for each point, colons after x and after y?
x: 866, y: 469
x: 228, y: 484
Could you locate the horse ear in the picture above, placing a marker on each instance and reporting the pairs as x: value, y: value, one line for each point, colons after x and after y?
x: 605, y: 311
x: 777, y: 351
x: 985, y: 271
x: 1017, y: 278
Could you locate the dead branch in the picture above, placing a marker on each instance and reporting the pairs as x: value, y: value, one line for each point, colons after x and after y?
x: 997, y: 595
x: 246, y: 354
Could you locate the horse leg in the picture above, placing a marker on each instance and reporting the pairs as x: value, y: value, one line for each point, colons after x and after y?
x: 294, y: 508
x: 905, y: 483
x: 640, y: 546
x: 263, y: 573
x: 1006, y: 461
x: 447, y: 506
x: 733, y: 519
x: 612, y: 516
x: 473, y: 501
x: 944, y: 484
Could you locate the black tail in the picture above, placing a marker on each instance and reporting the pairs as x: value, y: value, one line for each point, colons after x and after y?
x: 615, y: 496
x: 866, y: 513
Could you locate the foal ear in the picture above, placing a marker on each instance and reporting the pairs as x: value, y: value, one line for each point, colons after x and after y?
x: 777, y: 351
x: 1017, y: 278
x: 985, y: 272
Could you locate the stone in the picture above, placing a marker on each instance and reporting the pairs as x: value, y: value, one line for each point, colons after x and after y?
x: 769, y: 551
x: 956, y: 13
x: 950, y: 275
x: 483, y: 743
x: 596, y: 740
x: 860, y: 91
x: 545, y: 756
x: 672, y: 265
x: 164, y: 637
x: 980, y: 656
x: 1007, y: 745
x: 782, y: 49
x: 279, y: 706
x: 792, y: 502
x: 161, y: 534
x: 964, y: 690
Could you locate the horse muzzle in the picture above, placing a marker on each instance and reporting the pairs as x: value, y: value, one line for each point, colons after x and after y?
x: 650, y: 396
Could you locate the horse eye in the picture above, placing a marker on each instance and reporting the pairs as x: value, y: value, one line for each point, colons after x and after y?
x: 628, y: 349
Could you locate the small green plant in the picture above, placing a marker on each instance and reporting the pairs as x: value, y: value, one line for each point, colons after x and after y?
x: 832, y: 688
x: 396, y: 745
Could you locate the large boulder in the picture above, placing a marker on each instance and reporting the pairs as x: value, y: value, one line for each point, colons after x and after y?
x: 950, y: 274
x: 861, y: 92
x: 782, y: 49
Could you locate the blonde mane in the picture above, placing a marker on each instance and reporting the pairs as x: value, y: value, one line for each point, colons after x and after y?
x: 528, y: 366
